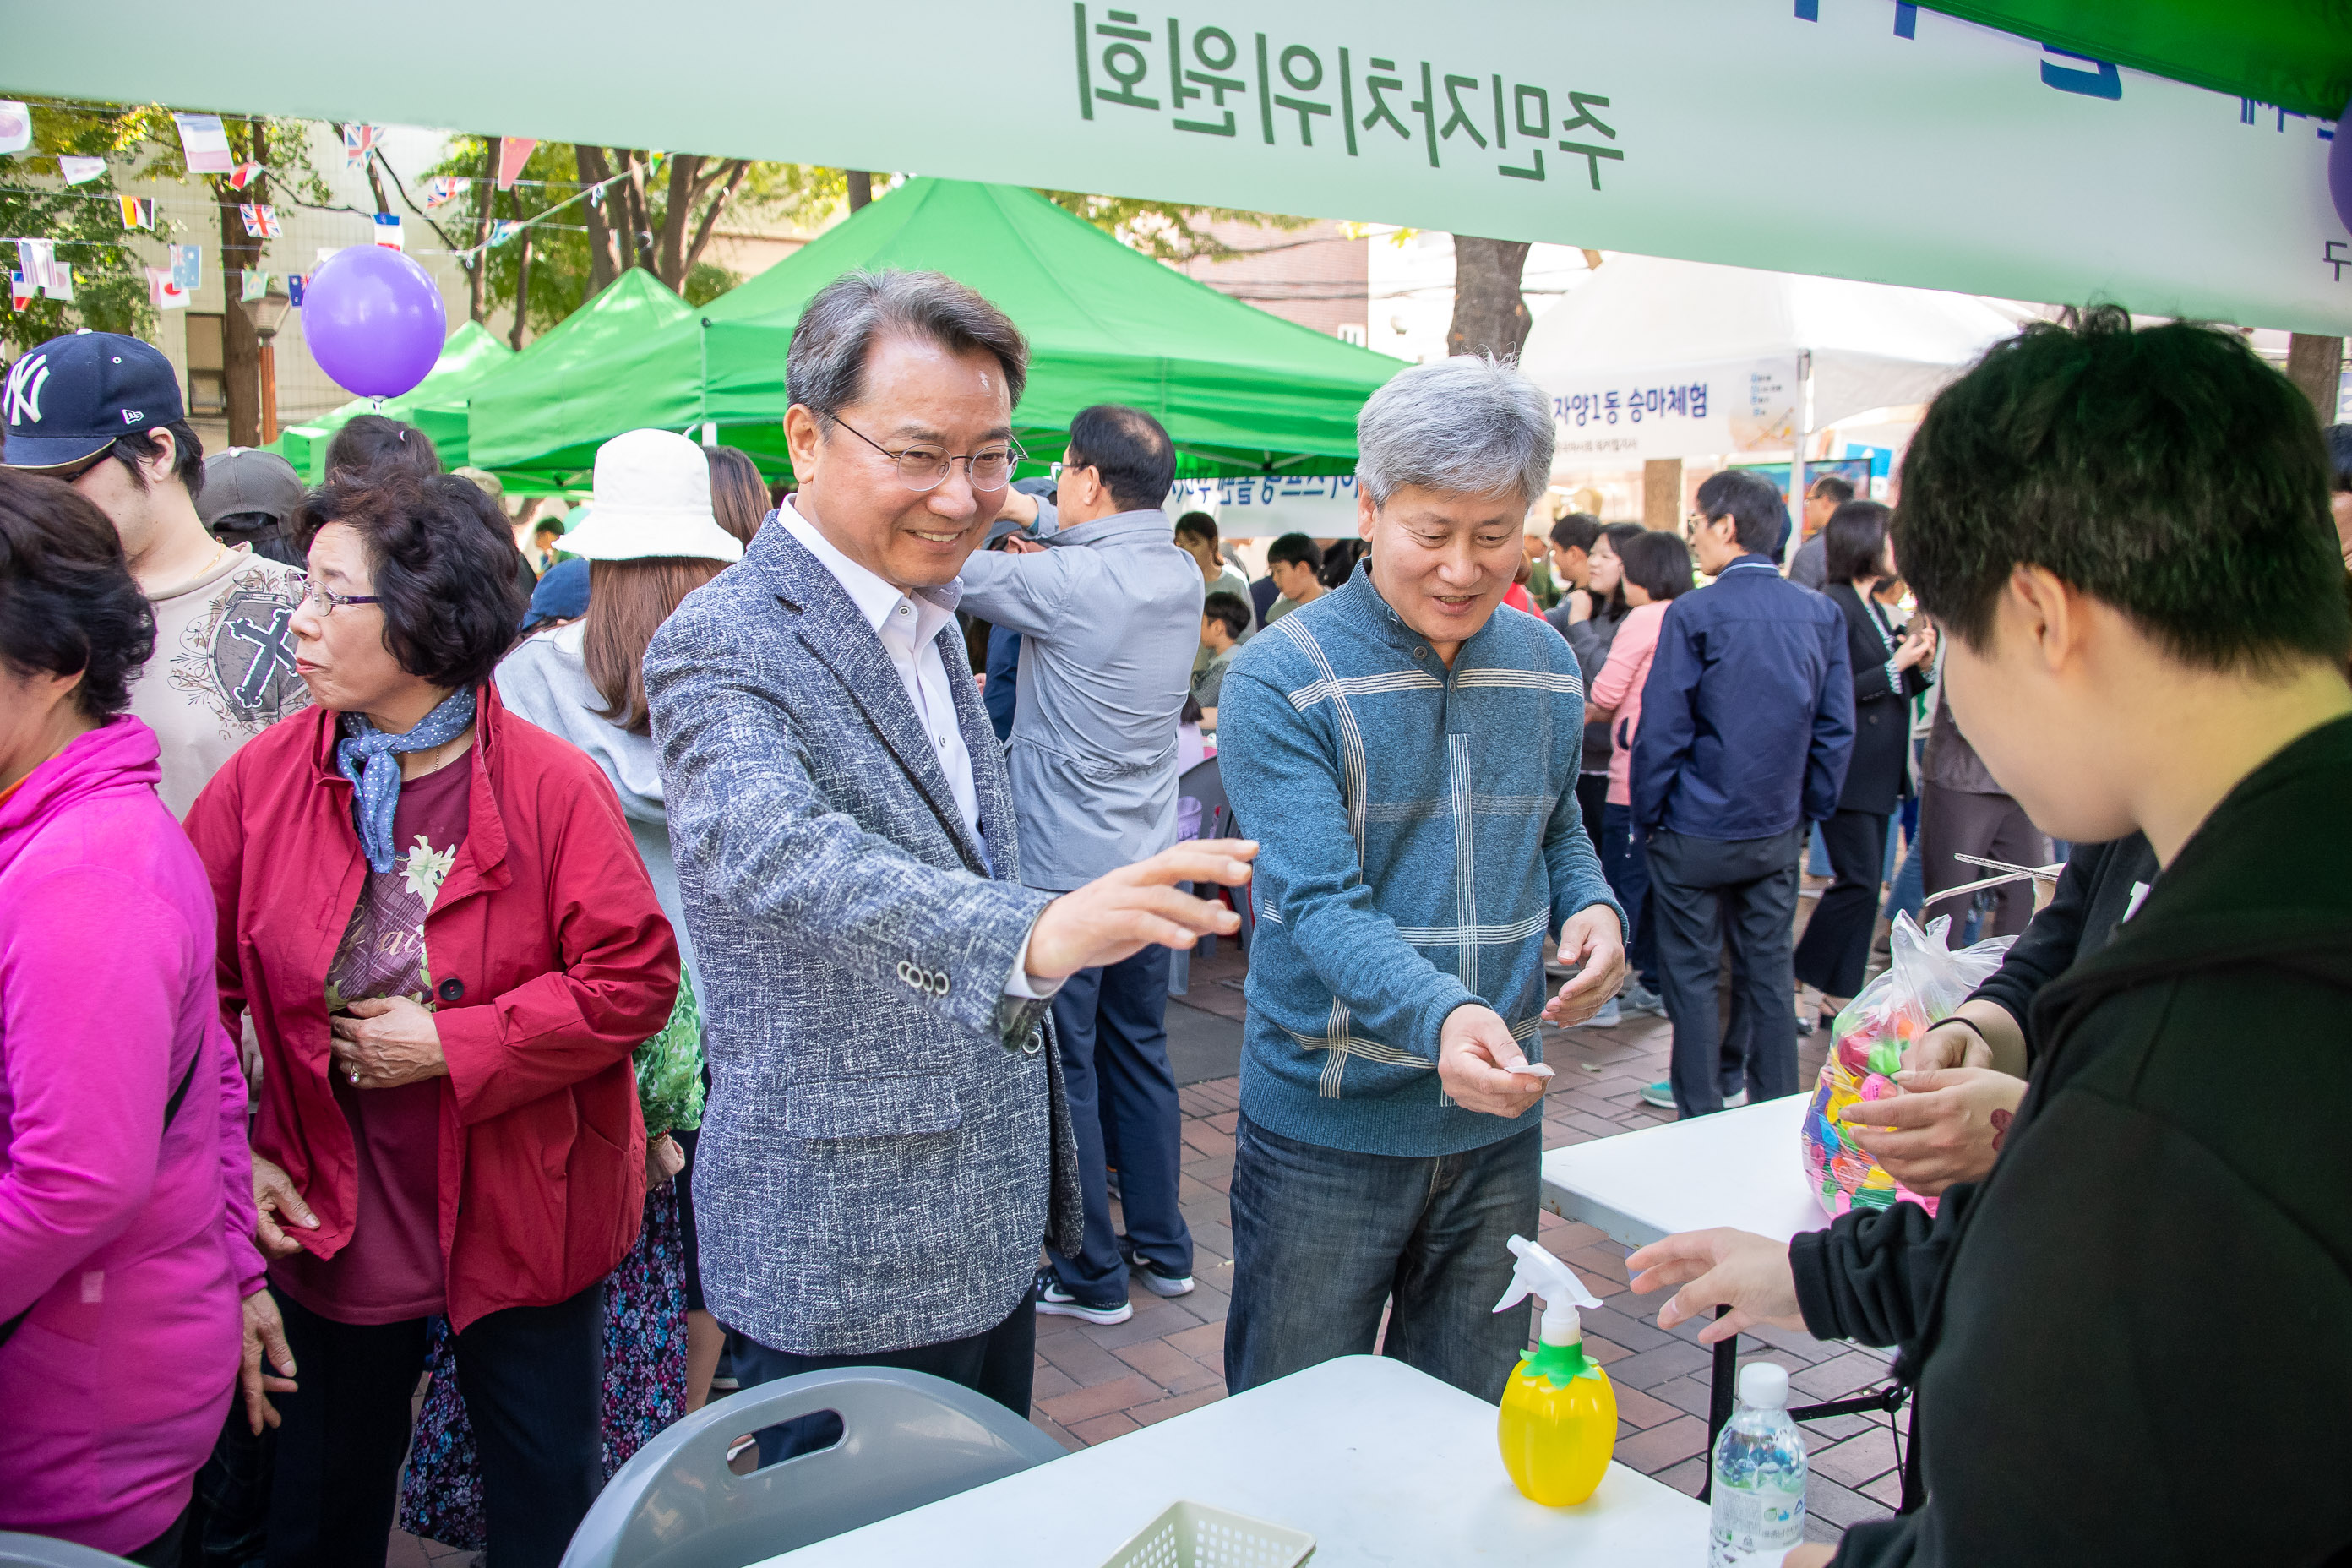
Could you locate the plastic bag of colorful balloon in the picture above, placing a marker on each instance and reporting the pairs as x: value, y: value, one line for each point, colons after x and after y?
x: 1924, y: 984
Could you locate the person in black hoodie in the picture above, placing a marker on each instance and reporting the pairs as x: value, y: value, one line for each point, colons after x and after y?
x: 2132, y: 1342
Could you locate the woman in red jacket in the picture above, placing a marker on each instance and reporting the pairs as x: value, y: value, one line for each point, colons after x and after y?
x: 450, y: 947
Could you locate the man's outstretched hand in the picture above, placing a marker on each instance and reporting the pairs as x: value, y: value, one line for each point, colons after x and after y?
x: 1118, y: 915
x: 1723, y: 1268
x: 1591, y: 941
x: 1482, y: 1069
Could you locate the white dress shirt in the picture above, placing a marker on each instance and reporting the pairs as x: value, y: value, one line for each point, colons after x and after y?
x: 908, y: 627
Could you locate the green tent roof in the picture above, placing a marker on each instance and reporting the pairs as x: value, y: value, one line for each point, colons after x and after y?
x: 568, y: 365
x: 1241, y: 391
x: 436, y: 405
x: 2296, y: 54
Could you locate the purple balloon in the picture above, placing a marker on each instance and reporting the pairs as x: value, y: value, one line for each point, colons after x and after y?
x: 2339, y: 167
x: 374, y: 319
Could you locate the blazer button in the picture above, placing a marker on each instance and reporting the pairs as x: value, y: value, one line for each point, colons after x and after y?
x: 450, y: 990
x: 906, y: 973
x: 941, y: 989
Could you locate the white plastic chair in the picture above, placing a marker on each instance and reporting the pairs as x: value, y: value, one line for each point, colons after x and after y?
x: 907, y: 1438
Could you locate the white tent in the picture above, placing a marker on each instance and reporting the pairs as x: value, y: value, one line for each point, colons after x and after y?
x: 1654, y: 358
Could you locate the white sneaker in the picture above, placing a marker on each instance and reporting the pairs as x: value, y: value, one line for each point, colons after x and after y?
x: 1733, y: 1101
x: 1609, y: 1016
x: 1054, y: 1302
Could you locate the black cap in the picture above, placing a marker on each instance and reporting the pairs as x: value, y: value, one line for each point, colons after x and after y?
x: 69, y: 398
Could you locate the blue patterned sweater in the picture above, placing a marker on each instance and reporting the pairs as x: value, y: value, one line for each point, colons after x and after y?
x: 1420, y: 836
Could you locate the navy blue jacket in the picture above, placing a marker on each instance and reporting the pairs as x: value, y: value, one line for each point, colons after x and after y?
x: 1747, y: 715
x: 1004, y: 688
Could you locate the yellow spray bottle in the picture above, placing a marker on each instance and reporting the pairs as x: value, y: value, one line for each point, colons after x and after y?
x: 1559, y: 1425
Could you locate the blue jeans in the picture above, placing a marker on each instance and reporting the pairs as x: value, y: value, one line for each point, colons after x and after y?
x: 1627, y: 866
x: 1324, y: 1238
x: 1113, y: 1024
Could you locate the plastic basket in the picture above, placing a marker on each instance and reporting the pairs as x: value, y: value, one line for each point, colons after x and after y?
x: 1195, y: 1535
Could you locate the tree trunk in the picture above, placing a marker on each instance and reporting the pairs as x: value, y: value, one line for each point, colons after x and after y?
x: 639, y: 248
x: 240, y: 344
x: 522, y: 280
x: 1489, y: 316
x: 861, y: 187
x: 2316, y: 365
x: 736, y: 169
x: 594, y: 170
x: 669, y: 243
x: 485, y: 198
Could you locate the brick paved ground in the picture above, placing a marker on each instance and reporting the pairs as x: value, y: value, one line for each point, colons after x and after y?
x: 1094, y: 1384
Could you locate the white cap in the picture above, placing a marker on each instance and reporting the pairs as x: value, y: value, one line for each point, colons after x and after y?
x: 653, y: 498
x: 1764, y: 1385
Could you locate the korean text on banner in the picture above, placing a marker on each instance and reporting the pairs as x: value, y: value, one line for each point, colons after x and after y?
x: 1620, y: 418
x: 1261, y: 506
x: 204, y: 144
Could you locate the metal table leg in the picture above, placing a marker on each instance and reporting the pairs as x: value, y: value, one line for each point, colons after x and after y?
x: 1724, y: 1381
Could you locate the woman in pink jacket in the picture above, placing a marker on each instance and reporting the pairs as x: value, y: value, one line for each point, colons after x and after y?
x: 1657, y: 566
x: 126, y: 1205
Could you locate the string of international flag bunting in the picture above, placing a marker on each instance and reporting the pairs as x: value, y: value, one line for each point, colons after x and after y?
x: 204, y: 148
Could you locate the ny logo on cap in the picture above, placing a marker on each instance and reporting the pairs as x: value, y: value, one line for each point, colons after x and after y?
x: 26, y: 379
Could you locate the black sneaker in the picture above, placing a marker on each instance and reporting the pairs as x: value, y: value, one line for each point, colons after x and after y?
x: 1156, y: 1279
x: 1054, y: 1301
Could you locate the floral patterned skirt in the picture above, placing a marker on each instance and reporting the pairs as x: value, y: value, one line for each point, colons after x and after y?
x: 644, y: 1384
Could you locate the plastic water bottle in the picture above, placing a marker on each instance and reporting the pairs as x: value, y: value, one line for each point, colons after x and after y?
x: 1759, y: 1508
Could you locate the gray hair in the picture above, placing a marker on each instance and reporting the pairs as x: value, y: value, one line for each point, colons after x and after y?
x: 1470, y: 425
x: 825, y: 368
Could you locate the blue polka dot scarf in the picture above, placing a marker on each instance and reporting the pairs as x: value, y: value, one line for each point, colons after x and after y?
x: 369, y: 757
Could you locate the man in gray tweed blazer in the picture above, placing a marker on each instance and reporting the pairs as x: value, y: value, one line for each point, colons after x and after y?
x: 887, y: 1141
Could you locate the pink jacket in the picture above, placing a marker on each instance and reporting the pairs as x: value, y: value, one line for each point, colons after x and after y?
x: 1618, y: 685
x: 131, y: 1242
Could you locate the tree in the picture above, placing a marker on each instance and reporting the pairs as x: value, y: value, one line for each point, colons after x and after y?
x: 1166, y: 231
x: 581, y: 215
x: 109, y: 278
x: 140, y: 141
x: 1490, y: 314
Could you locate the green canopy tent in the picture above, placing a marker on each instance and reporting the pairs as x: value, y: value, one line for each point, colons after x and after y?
x: 1242, y: 392
x: 569, y: 362
x: 436, y: 405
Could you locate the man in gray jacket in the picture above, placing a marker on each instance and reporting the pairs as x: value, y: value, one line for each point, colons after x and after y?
x: 1108, y: 609
x: 888, y: 1138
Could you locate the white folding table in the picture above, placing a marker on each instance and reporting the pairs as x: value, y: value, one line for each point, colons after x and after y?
x: 1376, y: 1461
x: 1737, y: 1168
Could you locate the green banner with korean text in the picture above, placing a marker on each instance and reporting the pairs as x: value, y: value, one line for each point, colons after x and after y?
x: 1854, y: 138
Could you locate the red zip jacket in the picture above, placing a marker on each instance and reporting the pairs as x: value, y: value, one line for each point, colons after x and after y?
x: 550, y: 961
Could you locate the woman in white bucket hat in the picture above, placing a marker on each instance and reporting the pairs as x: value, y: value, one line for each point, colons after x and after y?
x: 649, y: 537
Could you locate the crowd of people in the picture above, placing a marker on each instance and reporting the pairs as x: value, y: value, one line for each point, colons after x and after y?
x: 556, y: 975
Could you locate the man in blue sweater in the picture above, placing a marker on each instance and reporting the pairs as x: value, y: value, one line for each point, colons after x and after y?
x: 1408, y: 760
x: 1746, y: 727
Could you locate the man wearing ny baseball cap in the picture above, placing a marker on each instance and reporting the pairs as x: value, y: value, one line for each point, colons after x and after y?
x: 102, y: 413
